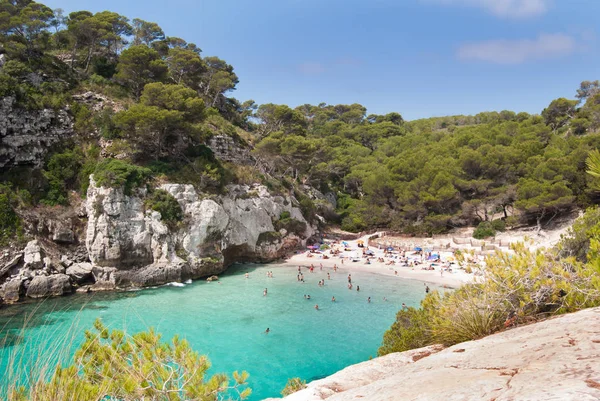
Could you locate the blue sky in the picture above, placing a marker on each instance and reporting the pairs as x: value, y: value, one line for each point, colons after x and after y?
x: 421, y: 58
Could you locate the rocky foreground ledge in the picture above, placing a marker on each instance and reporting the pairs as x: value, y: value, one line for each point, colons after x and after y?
x: 558, y: 359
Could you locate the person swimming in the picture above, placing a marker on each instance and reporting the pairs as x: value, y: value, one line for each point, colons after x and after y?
x: 317, y: 307
x: 328, y: 276
x: 308, y: 297
x: 267, y: 331
x: 369, y: 300
x: 332, y: 299
x: 358, y: 288
x: 247, y: 275
x: 265, y: 293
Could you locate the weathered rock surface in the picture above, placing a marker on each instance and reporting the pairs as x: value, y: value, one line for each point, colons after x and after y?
x: 558, y: 359
x: 129, y: 246
x: 230, y: 150
x: 45, y: 286
x: 33, y: 255
x: 11, y: 291
x: 80, y: 272
x: 26, y: 136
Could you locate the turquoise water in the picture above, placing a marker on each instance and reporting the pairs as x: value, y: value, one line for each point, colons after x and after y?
x: 227, y: 321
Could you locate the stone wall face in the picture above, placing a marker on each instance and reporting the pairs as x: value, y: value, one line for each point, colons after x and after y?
x: 26, y: 136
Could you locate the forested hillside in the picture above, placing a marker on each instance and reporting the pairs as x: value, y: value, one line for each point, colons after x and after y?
x: 163, y: 100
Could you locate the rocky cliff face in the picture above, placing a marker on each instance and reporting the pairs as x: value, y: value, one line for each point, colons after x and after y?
x: 129, y: 246
x: 26, y: 136
x: 558, y: 359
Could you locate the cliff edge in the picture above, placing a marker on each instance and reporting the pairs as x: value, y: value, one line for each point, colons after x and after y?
x: 557, y: 359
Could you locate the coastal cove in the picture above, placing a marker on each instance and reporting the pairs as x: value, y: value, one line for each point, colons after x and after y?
x: 226, y: 321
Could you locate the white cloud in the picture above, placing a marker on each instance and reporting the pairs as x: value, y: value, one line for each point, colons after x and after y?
x: 503, y: 8
x: 546, y: 46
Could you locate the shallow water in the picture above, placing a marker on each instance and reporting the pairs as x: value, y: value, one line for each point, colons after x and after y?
x: 227, y: 321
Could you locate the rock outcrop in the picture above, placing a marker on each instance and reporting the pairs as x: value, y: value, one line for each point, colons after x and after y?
x: 558, y: 359
x: 131, y: 246
x: 26, y: 136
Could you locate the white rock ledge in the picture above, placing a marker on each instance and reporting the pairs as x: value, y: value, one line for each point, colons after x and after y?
x: 558, y: 359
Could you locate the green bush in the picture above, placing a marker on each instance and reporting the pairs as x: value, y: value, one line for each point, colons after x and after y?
x: 10, y: 223
x: 114, y: 173
x: 485, y: 229
x: 412, y: 329
x: 268, y: 237
x: 112, y: 365
x: 62, y: 173
x: 164, y: 203
x: 499, y: 225
x: 293, y: 385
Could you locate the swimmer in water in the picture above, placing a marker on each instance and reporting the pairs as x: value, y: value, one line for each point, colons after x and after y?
x: 247, y: 275
x: 265, y: 293
x: 267, y: 330
x: 332, y: 299
x: 317, y: 307
x: 369, y: 300
x: 308, y: 297
x: 384, y: 299
x: 404, y: 307
x: 328, y: 276
x: 358, y: 288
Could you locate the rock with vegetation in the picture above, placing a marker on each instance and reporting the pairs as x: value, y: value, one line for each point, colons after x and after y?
x: 557, y: 359
x: 145, y: 239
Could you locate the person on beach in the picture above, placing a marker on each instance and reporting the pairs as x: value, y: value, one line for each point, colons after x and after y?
x: 427, y: 289
x: 332, y: 299
x: 335, y: 267
x: 321, y: 266
x: 396, y: 272
x: 349, y: 286
x: 350, y: 278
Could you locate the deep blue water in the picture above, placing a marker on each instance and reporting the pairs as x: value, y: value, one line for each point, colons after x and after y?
x: 227, y: 321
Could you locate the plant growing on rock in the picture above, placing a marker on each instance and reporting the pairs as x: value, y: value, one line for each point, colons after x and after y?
x: 164, y: 203
x: 293, y: 385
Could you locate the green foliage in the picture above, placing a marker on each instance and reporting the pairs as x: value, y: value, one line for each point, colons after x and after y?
x: 293, y: 385
x: 113, y: 365
x: 485, y: 229
x: 411, y: 330
x: 517, y: 288
x: 10, y: 222
x: 164, y: 203
x: 62, y: 173
x: 115, y: 173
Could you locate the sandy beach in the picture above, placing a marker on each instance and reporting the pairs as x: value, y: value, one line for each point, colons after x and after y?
x: 449, y: 279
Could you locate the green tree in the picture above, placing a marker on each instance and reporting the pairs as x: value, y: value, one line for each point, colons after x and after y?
x: 145, y: 33
x: 24, y: 27
x: 559, y: 112
x: 138, y: 66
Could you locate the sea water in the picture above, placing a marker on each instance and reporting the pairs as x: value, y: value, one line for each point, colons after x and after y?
x: 226, y: 320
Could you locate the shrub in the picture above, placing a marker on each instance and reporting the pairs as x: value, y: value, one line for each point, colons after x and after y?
x: 485, y: 229
x: 61, y: 172
x: 268, y: 237
x: 293, y: 385
x: 164, y: 203
x: 114, y: 365
x: 114, y: 173
x: 499, y: 225
x: 10, y: 223
x: 577, y: 241
x: 412, y: 329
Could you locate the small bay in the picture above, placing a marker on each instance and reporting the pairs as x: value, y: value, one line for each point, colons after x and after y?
x: 226, y: 320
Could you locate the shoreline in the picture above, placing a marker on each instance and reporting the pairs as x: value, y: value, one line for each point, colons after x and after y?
x: 453, y: 279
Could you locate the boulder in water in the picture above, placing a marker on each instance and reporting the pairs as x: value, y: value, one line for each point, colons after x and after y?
x: 54, y: 285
